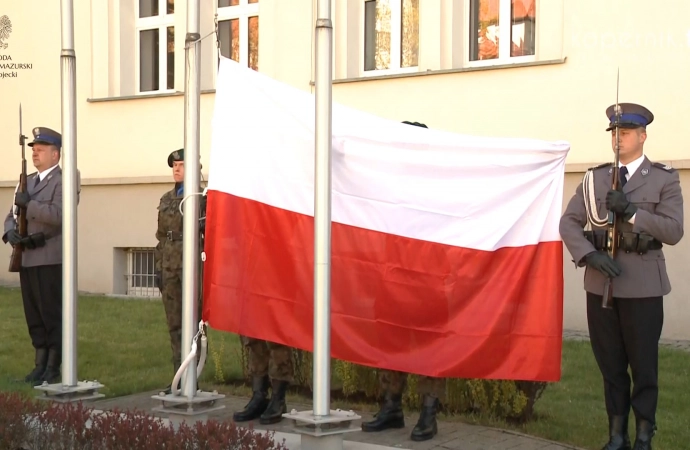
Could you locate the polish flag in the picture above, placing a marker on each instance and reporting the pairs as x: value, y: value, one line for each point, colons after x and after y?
x: 446, y: 255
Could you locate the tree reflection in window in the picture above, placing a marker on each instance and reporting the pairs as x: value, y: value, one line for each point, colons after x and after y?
x: 484, y: 24
x: 378, y: 29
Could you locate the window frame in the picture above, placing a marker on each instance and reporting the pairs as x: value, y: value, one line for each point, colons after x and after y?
x: 161, y: 22
x: 504, y: 26
x: 148, y: 273
x: 243, y: 12
x: 396, y: 42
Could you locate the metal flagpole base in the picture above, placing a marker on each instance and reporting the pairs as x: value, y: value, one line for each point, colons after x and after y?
x: 61, y: 393
x: 180, y: 408
x: 323, y: 432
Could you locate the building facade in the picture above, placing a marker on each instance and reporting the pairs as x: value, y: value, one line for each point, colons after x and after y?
x: 515, y: 68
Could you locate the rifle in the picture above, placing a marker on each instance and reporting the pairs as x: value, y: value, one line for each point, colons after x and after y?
x: 22, y: 225
x: 612, y: 225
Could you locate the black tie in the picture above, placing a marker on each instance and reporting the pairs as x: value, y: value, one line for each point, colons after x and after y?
x: 623, y: 174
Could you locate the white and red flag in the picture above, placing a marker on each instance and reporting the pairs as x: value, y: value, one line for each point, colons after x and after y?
x: 446, y: 255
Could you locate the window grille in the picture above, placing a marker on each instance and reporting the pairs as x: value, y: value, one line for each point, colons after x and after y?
x: 141, y: 273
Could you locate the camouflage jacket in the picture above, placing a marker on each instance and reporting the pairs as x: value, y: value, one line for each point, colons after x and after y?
x: 168, y: 252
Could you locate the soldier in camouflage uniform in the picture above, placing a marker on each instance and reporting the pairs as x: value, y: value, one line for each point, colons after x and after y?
x: 392, y: 384
x: 270, y: 364
x: 168, y: 256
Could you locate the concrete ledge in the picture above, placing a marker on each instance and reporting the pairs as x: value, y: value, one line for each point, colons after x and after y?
x: 447, y: 71
x: 680, y: 164
x: 582, y: 167
x: 163, y: 179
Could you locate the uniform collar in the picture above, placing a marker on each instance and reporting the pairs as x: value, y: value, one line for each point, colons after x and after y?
x: 42, y: 175
x: 633, y: 165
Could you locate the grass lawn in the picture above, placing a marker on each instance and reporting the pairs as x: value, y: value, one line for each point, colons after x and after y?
x: 124, y: 344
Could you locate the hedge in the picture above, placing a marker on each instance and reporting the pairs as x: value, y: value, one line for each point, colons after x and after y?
x: 502, y: 399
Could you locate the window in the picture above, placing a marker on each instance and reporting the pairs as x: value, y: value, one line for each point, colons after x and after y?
x: 391, y: 36
x: 141, y: 273
x: 502, y: 31
x: 238, y: 30
x: 155, y: 46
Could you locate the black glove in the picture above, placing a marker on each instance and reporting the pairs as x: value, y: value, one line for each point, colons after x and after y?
x: 159, y: 281
x: 603, y: 263
x: 22, y: 199
x: 13, y: 237
x: 616, y: 202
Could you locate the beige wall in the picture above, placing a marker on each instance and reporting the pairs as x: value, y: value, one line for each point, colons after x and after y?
x: 123, y: 142
x: 110, y: 219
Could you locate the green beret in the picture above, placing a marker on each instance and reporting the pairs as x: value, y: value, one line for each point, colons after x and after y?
x: 177, y: 155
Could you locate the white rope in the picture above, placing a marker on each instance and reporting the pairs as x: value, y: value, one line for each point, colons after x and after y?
x: 189, y: 195
x: 590, y: 200
x: 190, y: 357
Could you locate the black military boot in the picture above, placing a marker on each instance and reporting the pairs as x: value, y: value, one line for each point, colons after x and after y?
x: 257, y: 404
x: 40, y: 361
x: 426, y: 427
x: 643, y: 438
x: 389, y: 416
x: 52, y: 373
x: 618, y: 434
x: 277, y: 406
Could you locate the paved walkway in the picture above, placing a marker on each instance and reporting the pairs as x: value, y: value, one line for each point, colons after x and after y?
x: 451, y: 435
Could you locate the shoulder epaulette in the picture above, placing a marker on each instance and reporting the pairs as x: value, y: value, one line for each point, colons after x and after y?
x: 601, y: 165
x: 663, y: 167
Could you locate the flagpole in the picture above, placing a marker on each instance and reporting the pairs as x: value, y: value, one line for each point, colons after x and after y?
x: 322, y: 212
x: 70, y: 389
x: 69, y: 198
x: 321, y: 428
x: 190, y: 227
x: 192, y: 404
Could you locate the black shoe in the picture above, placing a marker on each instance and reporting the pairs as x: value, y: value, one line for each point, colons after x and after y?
x: 426, y: 427
x: 40, y: 361
x: 389, y: 416
x: 257, y: 404
x: 618, y: 434
x: 52, y: 373
x: 643, y: 438
x: 277, y: 406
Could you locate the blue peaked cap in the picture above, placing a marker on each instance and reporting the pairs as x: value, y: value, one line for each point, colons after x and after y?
x: 632, y: 116
x: 43, y: 135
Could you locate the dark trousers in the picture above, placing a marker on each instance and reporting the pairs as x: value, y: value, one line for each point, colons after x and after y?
x: 627, y: 334
x: 42, y: 296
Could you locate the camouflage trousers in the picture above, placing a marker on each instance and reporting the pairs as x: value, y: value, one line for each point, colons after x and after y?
x: 172, y: 302
x: 394, y: 382
x: 269, y: 358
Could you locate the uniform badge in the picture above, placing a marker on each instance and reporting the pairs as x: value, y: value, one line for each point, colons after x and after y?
x: 36, y: 131
x: 645, y: 172
x: 610, y: 170
x: 176, y: 155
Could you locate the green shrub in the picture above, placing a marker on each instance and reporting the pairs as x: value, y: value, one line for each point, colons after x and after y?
x: 503, y: 399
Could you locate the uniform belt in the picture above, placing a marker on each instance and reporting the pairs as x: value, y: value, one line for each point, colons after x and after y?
x: 628, y: 241
x: 174, y: 235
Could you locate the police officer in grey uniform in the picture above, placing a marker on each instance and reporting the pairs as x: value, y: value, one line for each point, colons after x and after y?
x: 40, y: 275
x: 649, y: 210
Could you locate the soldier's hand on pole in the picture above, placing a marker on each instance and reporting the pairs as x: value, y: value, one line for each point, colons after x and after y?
x: 603, y: 263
